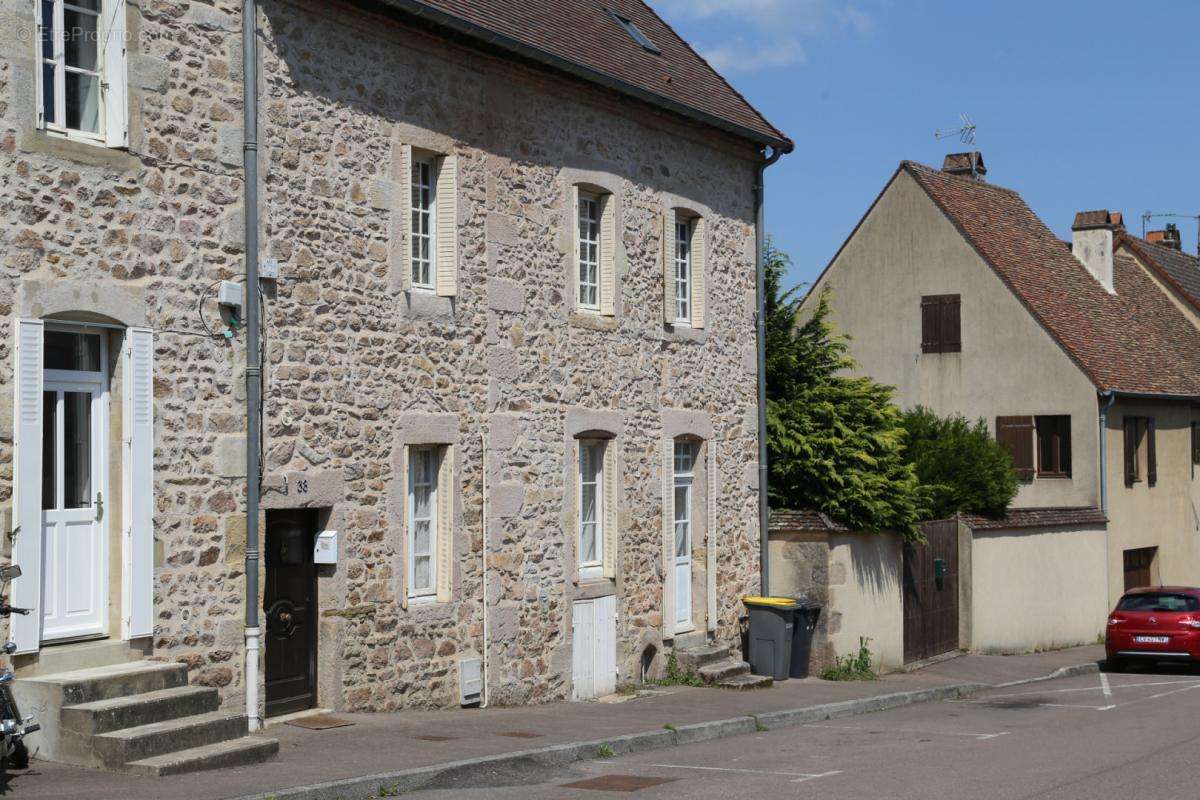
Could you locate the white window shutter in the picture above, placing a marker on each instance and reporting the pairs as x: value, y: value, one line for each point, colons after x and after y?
x: 668, y: 538
x: 445, y: 525
x: 668, y: 267
x: 710, y: 549
x: 138, y: 471
x: 608, y: 255
x: 447, y: 226
x: 611, y: 509
x: 26, y: 631
x: 115, y: 88
x: 574, y: 228
x: 405, y: 549
x: 405, y: 232
x: 699, y: 270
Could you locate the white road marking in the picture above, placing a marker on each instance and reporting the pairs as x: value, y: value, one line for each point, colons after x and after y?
x: 1068, y: 705
x: 799, y: 777
x: 1076, y: 689
x: 1104, y: 685
x: 980, y: 736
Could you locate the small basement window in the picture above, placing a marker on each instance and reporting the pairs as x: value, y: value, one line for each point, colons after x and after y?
x: 635, y: 32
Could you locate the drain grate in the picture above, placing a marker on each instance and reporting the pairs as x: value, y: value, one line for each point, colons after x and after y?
x: 433, y: 738
x: 320, y: 722
x: 618, y: 783
x: 520, y: 734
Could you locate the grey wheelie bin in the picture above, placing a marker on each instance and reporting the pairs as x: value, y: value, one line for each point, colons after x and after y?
x: 807, y: 614
x: 771, y: 622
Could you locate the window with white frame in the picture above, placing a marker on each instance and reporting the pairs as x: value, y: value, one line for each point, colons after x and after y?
x: 683, y: 271
x: 424, y: 205
x: 423, y: 519
x: 685, y: 474
x: 81, y: 69
x: 591, y: 508
x: 589, y: 252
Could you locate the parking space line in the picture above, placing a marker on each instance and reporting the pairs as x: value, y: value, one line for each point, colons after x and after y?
x: 798, y: 777
x: 1104, y: 685
x: 979, y: 736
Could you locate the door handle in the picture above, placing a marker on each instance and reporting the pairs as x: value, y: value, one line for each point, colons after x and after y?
x: 99, y: 506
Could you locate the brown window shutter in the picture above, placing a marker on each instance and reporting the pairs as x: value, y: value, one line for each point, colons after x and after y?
x: 1151, y: 460
x: 951, y: 324
x: 1130, y: 424
x: 930, y: 319
x: 1196, y: 442
x: 1016, y: 434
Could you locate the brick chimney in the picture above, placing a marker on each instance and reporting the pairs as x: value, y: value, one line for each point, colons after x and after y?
x: 967, y: 165
x: 1092, y: 243
x: 1166, y: 238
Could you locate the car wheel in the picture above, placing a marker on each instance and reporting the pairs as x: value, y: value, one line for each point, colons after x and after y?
x: 19, y: 758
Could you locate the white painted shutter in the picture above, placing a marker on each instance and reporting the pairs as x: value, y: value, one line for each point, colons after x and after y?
x: 668, y: 538
x: 699, y: 270
x: 405, y: 555
x: 710, y: 550
x: 612, y: 501
x: 405, y: 231
x: 447, y: 226
x: 574, y: 227
x: 26, y: 630
x: 138, y: 471
x: 668, y: 267
x: 116, y: 81
x: 608, y: 259
x: 606, y: 645
x: 445, y: 532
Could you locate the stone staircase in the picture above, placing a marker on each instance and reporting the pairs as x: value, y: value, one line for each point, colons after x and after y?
x: 139, y: 717
x: 717, y: 667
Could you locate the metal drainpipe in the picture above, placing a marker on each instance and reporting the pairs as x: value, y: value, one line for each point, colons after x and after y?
x: 1110, y: 399
x: 253, y: 355
x: 760, y: 242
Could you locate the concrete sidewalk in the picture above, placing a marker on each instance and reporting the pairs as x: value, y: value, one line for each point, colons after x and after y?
x: 412, y: 749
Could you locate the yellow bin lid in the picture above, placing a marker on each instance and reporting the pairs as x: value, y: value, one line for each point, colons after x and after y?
x: 774, y: 602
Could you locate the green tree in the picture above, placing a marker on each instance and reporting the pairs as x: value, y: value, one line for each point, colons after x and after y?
x: 836, y: 442
x: 961, y: 466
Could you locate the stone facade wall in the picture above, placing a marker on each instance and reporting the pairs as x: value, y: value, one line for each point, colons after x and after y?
x: 351, y: 361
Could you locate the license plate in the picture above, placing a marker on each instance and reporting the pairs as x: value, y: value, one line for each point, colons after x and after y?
x: 1152, y: 639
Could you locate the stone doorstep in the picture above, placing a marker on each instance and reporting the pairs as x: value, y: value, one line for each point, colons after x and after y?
x: 59, y: 658
x: 723, y: 670
x: 698, y: 657
x: 102, y: 716
x: 117, y: 748
x: 231, y: 753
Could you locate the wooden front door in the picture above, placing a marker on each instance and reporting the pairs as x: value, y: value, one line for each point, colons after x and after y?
x: 290, y: 608
x: 931, y: 592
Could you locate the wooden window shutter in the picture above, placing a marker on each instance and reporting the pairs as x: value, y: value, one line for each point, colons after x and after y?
x: 405, y: 465
x: 608, y: 255
x: 1016, y: 435
x: 1196, y: 442
x: 447, y: 226
x: 668, y: 538
x: 710, y: 535
x: 930, y: 325
x: 445, y: 524
x: 115, y: 87
x: 138, y: 502
x: 26, y: 630
x: 573, y: 224
x: 668, y: 267
x: 612, y: 509
x: 1130, y: 429
x: 405, y: 232
x: 951, y: 324
x: 1151, y: 456
x: 699, y: 271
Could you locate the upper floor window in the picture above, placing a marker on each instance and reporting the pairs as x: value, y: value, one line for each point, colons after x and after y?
x: 684, y: 268
x: 683, y: 271
x: 941, y: 323
x: 1053, y: 446
x: 1141, y: 460
x: 423, y: 216
x: 81, y: 76
x: 595, y: 234
x: 430, y: 210
x: 589, y: 252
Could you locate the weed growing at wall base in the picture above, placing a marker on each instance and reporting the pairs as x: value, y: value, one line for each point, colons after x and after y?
x: 856, y: 667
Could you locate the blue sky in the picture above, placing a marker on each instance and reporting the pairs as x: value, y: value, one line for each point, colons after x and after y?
x: 1079, y: 105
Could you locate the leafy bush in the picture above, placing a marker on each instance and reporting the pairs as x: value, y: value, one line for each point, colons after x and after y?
x: 960, y: 466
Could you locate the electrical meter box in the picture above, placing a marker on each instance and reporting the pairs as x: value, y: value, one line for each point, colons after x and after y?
x: 230, y: 294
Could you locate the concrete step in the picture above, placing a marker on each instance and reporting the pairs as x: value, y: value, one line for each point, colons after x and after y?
x: 115, y: 680
x: 232, y: 753
x: 81, y: 655
x: 102, y: 716
x: 697, y: 657
x: 723, y: 670
x: 747, y: 682
x: 118, y: 748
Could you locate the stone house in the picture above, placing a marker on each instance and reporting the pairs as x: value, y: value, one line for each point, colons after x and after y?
x: 1083, y: 357
x: 510, y: 354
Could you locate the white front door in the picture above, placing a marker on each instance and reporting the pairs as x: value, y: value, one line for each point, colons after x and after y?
x: 74, y: 490
x: 685, y: 466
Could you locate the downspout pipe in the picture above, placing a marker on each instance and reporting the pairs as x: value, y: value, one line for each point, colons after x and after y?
x: 760, y: 322
x: 253, y: 354
x: 1108, y: 399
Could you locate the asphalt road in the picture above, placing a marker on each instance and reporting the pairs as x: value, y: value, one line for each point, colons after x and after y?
x: 1129, y: 735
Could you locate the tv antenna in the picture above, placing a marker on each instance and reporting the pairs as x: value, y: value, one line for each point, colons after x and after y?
x: 965, y: 133
x: 1149, y: 215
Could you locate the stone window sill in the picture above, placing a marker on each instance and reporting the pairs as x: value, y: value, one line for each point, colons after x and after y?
x: 592, y: 588
x: 426, y: 305
x: 592, y: 322
x: 94, y: 154
x: 684, y: 333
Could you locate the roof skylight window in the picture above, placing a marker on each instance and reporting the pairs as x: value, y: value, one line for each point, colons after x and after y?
x: 635, y: 32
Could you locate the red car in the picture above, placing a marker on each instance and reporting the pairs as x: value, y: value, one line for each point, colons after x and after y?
x: 1156, y: 623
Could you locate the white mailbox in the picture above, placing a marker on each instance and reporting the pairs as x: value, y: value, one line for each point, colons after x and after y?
x: 325, y: 550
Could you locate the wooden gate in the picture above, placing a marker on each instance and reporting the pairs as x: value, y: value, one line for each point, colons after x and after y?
x: 931, y: 592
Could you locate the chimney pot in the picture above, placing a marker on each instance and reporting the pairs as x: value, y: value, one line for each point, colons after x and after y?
x: 1166, y: 238
x: 967, y: 165
x: 1092, y: 243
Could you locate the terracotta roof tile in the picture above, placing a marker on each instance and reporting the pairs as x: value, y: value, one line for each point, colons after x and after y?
x: 804, y: 520
x: 1178, y: 268
x: 583, y: 32
x: 1037, y: 518
x: 1135, y: 340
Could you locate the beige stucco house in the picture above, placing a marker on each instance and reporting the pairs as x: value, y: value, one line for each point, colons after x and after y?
x: 1082, y: 361
x: 509, y: 438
